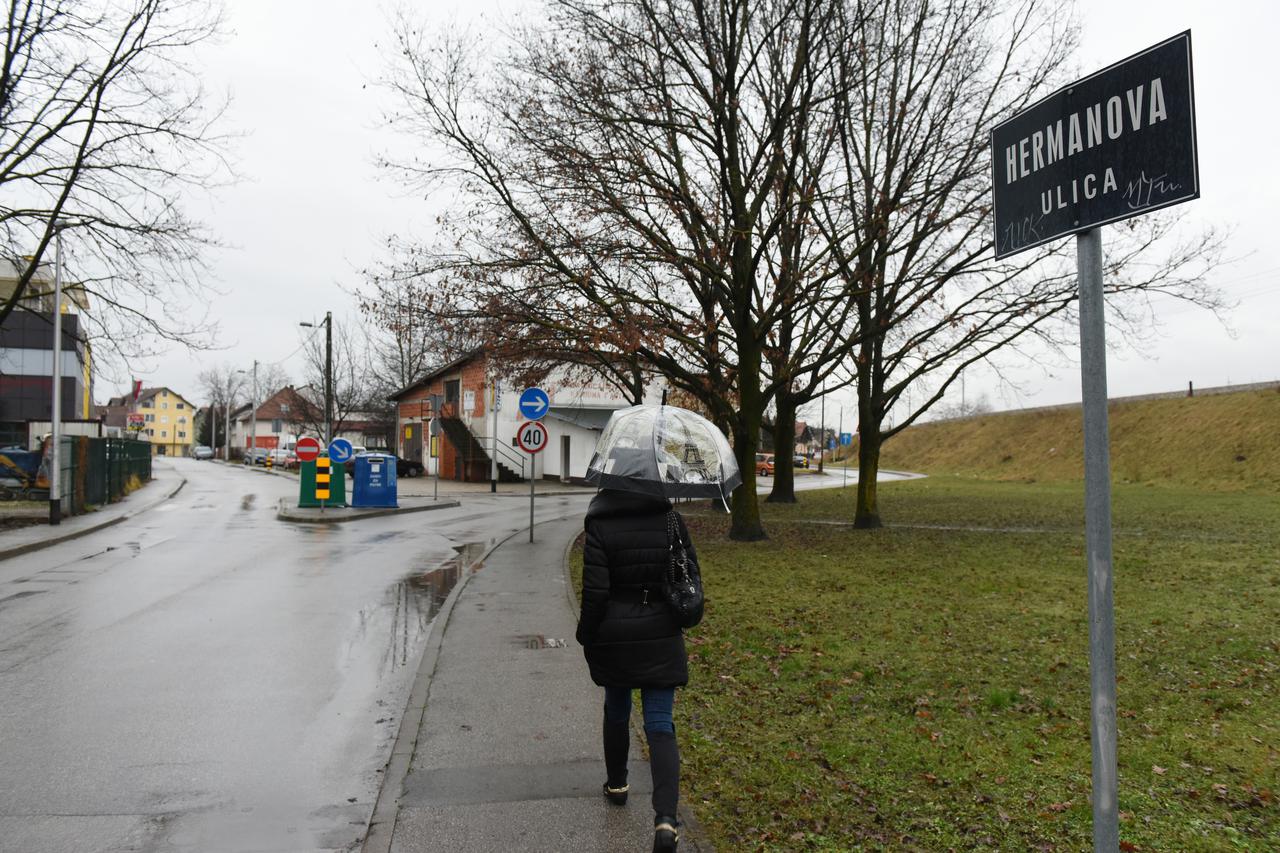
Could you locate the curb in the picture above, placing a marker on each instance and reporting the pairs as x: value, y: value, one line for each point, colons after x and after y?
x: 691, y: 831
x: 337, y: 517
x: 18, y: 550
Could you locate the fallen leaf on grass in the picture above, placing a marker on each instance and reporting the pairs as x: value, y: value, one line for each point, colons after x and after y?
x: 1158, y: 770
x: 1129, y: 846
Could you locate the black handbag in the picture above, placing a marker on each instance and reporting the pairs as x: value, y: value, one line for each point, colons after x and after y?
x: 682, y: 586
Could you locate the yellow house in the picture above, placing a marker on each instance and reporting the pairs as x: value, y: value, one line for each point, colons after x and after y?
x: 169, y: 421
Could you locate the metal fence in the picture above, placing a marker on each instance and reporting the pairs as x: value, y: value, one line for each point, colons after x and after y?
x: 97, y: 471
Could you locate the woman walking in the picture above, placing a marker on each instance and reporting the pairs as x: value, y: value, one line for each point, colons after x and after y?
x: 632, y: 640
x: 640, y: 584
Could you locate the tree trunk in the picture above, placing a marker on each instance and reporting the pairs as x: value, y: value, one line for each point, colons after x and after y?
x: 867, y: 513
x: 867, y: 509
x: 784, y: 472
x: 746, y: 526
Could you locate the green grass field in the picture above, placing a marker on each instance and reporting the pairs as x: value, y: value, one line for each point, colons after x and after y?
x: 925, y: 686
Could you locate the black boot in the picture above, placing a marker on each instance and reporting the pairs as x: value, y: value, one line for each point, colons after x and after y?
x: 617, y: 743
x: 666, y: 834
x: 664, y: 762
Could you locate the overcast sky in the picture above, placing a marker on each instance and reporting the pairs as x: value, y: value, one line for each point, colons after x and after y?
x: 313, y: 210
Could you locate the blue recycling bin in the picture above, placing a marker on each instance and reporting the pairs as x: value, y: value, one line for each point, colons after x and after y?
x: 375, y: 481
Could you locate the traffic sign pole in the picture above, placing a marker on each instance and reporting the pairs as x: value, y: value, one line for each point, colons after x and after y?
x: 531, y: 437
x: 1097, y: 528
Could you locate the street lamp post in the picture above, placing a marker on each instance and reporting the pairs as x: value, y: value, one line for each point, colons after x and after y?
x: 253, y: 407
x: 328, y: 374
x: 226, y: 411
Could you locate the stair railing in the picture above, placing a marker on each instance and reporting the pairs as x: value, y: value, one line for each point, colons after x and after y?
x: 505, y: 454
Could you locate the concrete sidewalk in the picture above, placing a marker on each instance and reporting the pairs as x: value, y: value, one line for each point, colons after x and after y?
x: 508, y: 755
x: 165, y: 483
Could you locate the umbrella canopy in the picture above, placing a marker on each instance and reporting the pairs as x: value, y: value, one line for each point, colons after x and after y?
x: 664, y: 451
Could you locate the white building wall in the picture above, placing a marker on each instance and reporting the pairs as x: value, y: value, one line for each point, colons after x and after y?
x: 598, y: 396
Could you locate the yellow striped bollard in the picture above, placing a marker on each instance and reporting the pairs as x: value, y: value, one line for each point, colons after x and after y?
x: 322, y: 478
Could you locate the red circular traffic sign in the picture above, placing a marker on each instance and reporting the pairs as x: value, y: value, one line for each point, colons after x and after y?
x: 307, y: 449
x: 531, y: 436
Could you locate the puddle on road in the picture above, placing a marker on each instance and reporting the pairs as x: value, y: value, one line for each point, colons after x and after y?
x: 246, y: 502
x: 419, y: 597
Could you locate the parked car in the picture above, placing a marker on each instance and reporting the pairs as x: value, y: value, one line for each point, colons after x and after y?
x: 764, y: 464
x: 280, y: 458
x: 408, y: 468
x: 200, y: 451
x: 800, y: 460
x: 255, y: 456
x: 357, y: 450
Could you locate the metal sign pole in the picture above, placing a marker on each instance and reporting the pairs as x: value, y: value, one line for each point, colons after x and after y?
x: 533, y: 461
x: 1097, y: 513
x: 55, y: 452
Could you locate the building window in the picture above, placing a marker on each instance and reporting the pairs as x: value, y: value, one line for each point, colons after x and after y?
x: 164, y: 419
x: 180, y: 406
x: 182, y: 435
x: 151, y: 432
x: 164, y: 433
x: 182, y: 420
x: 164, y: 405
x: 150, y: 419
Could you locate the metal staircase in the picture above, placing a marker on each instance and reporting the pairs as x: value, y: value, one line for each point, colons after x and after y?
x: 475, y: 452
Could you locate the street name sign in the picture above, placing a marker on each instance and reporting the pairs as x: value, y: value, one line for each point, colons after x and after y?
x: 1116, y: 144
x: 340, y: 450
x: 534, y: 404
x: 307, y: 448
x: 531, y: 436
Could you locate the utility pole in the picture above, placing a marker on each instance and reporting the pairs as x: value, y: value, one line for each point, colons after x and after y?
x: 55, y: 452
x: 328, y: 377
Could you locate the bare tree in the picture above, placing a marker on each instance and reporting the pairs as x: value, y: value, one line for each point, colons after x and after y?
x: 407, y: 332
x: 618, y: 169
x: 923, y: 84
x: 223, y: 386
x: 103, y: 126
x: 352, y: 378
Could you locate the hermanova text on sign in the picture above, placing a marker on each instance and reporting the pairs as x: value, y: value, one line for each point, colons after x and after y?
x: 1116, y: 144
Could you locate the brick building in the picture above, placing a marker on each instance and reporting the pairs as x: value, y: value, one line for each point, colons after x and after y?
x: 472, y: 430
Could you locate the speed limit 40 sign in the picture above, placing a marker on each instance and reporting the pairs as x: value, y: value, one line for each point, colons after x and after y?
x: 531, y: 436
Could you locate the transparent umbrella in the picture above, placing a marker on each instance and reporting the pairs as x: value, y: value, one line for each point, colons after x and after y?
x: 665, y: 451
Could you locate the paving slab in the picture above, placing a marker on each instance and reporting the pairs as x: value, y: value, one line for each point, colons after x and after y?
x: 508, y: 752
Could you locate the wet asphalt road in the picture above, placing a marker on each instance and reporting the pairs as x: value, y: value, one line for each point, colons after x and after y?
x: 205, y: 677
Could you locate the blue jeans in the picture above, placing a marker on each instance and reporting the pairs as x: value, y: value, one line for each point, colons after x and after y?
x: 657, y: 703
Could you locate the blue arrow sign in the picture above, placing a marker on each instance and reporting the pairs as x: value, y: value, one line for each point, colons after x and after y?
x: 340, y: 450
x: 846, y: 438
x: 534, y: 404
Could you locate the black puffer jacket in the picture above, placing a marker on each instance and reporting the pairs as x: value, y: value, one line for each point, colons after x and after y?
x: 627, y: 633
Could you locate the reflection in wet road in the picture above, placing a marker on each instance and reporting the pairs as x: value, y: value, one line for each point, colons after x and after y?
x: 207, y: 678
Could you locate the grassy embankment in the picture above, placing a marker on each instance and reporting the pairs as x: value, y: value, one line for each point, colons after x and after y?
x: 1217, y: 442
x: 925, y: 686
